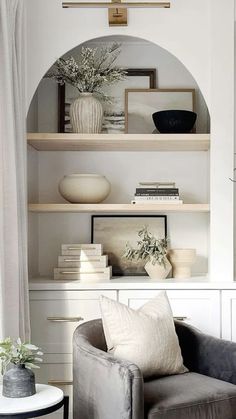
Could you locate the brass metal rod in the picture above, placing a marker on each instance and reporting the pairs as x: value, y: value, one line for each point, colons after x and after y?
x: 65, y: 319
x: 160, y: 5
x: 60, y: 383
x: 180, y: 318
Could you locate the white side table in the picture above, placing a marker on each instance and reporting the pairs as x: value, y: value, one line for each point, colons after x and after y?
x: 47, y: 399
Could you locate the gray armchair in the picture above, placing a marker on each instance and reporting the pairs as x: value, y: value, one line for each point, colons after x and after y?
x: 109, y: 388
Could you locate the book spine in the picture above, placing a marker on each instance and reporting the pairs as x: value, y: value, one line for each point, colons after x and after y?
x: 155, y: 201
x: 156, y: 195
x: 158, y: 184
x: 173, y: 191
x: 157, y: 198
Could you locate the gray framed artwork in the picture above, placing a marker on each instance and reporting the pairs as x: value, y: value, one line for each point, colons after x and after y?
x: 114, y: 231
x: 140, y: 104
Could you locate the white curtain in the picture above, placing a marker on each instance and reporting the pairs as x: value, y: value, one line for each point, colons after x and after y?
x: 14, y: 305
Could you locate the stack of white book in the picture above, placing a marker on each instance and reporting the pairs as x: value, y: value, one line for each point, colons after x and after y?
x: 157, y: 193
x: 83, y: 262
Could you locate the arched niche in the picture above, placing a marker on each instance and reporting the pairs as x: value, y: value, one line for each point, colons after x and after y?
x: 135, y: 53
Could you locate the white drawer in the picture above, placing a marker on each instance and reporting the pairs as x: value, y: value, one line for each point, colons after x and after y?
x: 60, y: 375
x: 198, y: 308
x: 46, y: 309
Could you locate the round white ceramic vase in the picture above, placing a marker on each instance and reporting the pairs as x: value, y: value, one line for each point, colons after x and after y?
x: 84, y: 188
x: 156, y: 271
x: 182, y: 261
x: 86, y: 114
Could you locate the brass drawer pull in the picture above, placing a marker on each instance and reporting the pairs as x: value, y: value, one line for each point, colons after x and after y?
x: 65, y: 319
x: 60, y: 383
x: 180, y: 318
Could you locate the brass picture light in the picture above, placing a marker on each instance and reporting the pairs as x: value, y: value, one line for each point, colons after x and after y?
x: 117, y: 12
x: 121, y: 5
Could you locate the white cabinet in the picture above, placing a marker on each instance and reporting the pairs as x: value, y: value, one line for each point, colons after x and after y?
x: 56, y: 314
x: 229, y: 315
x: 54, y: 317
x: 200, y: 308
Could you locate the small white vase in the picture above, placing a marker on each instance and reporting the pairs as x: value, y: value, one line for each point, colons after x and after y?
x: 84, y: 188
x: 157, y: 271
x: 86, y: 114
x: 182, y: 261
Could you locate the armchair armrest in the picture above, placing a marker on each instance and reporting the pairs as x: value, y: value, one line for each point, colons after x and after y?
x: 206, y: 354
x: 104, y: 387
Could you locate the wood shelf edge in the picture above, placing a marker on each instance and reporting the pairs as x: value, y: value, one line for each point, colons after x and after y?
x: 119, y: 208
x: 118, y: 142
x: 74, y: 136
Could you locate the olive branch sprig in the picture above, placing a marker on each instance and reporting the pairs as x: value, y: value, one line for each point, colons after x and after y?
x: 148, y: 248
x: 19, y: 353
x: 93, y: 69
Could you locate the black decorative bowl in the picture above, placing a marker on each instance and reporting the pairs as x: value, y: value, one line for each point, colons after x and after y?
x: 174, y: 121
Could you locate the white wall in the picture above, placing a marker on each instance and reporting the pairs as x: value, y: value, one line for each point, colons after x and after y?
x: 184, y: 168
x: 33, y: 196
x: 183, y: 30
x: 124, y: 171
x: 234, y: 177
x: 222, y: 140
x: 199, y: 33
x: 135, y: 53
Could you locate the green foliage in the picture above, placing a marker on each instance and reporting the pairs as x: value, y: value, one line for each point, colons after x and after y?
x: 148, y: 248
x: 18, y: 353
x: 93, y: 69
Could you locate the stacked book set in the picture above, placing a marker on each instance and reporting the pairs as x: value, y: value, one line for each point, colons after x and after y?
x: 157, y: 193
x: 82, y: 262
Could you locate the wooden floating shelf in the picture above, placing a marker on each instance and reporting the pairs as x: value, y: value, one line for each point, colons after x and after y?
x: 118, y: 208
x: 119, y: 142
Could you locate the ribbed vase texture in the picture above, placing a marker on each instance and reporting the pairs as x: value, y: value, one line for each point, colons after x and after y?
x: 86, y: 114
x: 182, y: 261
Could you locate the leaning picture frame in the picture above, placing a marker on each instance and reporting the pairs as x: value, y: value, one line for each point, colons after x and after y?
x: 114, y: 231
x: 114, y: 113
x: 140, y: 104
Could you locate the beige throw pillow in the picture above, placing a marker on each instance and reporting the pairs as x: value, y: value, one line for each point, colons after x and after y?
x: 145, y: 337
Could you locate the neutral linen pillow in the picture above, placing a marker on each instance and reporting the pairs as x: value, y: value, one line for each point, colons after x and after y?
x: 145, y: 337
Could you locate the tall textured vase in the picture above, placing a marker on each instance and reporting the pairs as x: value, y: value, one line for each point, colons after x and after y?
x: 86, y: 114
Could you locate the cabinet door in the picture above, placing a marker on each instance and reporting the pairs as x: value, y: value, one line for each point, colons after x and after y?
x: 56, y: 314
x: 198, y: 308
x: 229, y: 315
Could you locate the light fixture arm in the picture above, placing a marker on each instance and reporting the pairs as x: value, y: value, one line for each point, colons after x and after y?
x: 115, y: 4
